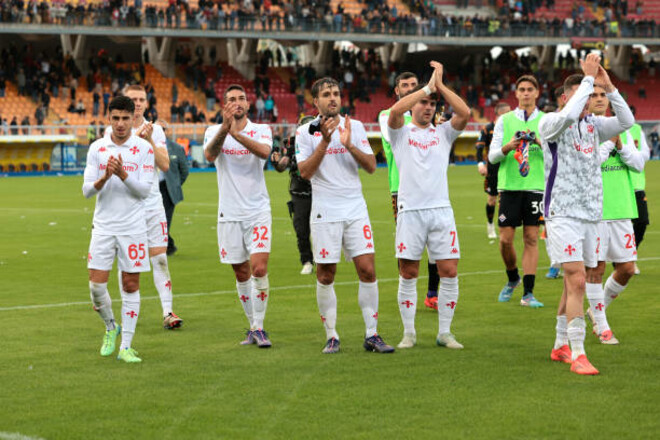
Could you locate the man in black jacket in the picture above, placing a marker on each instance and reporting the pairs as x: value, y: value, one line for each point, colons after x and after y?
x: 171, y: 181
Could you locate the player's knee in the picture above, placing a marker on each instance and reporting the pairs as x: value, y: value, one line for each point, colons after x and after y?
x: 325, y: 278
x: 242, y: 272
x: 259, y: 270
x: 367, y: 273
x: 408, y: 273
x: 530, y: 240
x: 625, y: 272
x: 130, y: 285
x: 449, y: 272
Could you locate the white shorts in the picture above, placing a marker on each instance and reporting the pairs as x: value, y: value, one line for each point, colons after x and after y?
x: 156, y: 228
x: 434, y: 229
x: 353, y: 236
x: 131, y: 251
x: 616, y: 241
x: 238, y: 240
x: 572, y: 240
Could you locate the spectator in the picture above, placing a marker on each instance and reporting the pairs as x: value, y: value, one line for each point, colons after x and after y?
x: 14, y: 126
x: 96, y: 98
x: 106, y: 101
x: 25, y: 123
x: 261, y: 108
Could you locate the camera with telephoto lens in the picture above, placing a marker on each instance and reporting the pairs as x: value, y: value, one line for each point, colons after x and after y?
x: 315, y: 126
x: 528, y: 136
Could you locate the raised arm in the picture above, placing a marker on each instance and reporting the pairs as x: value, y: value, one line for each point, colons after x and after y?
x: 213, y: 147
x: 92, y: 183
x: 259, y: 149
x: 461, y: 110
x: 366, y: 160
x: 309, y: 166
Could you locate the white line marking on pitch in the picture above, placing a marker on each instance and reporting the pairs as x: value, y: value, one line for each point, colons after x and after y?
x: 17, y: 436
x: 276, y: 288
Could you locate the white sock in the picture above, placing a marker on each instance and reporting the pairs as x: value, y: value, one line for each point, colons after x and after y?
x: 407, y: 297
x: 576, y: 334
x: 130, y: 310
x: 596, y: 297
x: 244, y: 289
x: 102, y: 303
x: 368, y: 301
x: 447, y: 300
x: 162, y: 281
x: 562, y: 332
x: 612, y: 290
x: 260, y: 295
x: 327, y: 301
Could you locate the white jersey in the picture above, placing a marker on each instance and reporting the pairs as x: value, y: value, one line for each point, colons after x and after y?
x: 120, y: 210
x: 241, y: 185
x: 422, y: 157
x: 155, y: 200
x: 336, y: 188
x: 574, y: 186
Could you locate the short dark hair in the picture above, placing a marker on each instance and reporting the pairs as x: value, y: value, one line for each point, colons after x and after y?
x: 320, y: 83
x: 572, y: 80
x: 528, y: 78
x: 500, y: 105
x: 559, y: 91
x: 433, y: 96
x: 122, y: 103
x: 402, y: 76
x: 233, y: 87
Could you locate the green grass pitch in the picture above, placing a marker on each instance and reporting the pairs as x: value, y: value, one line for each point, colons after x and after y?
x: 199, y: 383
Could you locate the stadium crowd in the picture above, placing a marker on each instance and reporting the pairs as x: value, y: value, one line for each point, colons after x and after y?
x: 510, y: 18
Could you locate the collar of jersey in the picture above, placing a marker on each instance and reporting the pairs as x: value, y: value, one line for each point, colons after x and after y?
x: 520, y: 114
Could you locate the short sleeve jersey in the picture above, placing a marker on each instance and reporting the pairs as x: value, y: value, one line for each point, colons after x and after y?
x: 336, y: 188
x: 422, y: 155
x: 119, y: 211
x: 155, y: 200
x: 241, y: 184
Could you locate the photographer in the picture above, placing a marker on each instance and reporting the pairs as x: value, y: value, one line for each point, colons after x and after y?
x: 300, y: 204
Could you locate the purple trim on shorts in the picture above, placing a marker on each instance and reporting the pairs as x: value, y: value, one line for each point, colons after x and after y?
x: 551, y: 179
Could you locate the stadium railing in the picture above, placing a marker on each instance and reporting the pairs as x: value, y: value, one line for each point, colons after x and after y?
x: 433, y: 26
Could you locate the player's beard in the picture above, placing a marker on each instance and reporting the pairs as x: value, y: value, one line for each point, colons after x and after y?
x: 238, y: 117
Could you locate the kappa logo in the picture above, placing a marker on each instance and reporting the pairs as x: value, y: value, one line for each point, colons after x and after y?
x: 454, y: 251
x: 102, y: 150
x: 317, y: 134
x: 370, y: 245
x: 151, y: 151
x: 137, y: 264
x: 260, y: 245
